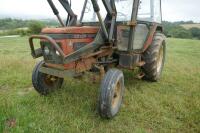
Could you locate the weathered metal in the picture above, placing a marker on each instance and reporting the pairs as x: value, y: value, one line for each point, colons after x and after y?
x: 98, y: 47
x: 52, y: 41
x: 55, y: 11
x: 77, y: 45
x: 150, y: 36
x: 72, y: 18
x: 58, y: 73
x: 80, y: 48
x: 132, y: 27
x: 129, y: 61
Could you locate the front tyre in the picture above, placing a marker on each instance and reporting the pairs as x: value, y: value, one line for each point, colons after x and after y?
x: 111, y: 93
x: 154, y: 58
x: 44, y: 83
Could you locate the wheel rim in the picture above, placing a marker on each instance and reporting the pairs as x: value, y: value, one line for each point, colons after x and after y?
x: 50, y: 80
x: 160, y: 59
x: 116, y: 96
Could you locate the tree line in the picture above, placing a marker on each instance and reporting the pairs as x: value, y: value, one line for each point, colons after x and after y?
x: 9, y: 26
x: 176, y: 30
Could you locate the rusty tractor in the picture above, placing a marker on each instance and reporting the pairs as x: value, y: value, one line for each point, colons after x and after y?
x: 104, y: 37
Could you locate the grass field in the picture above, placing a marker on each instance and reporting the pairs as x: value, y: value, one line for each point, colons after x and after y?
x: 171, y: 105
x: 189, y: 26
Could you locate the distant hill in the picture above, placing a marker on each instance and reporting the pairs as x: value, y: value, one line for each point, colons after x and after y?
x: 9, y: 23
x: 181, y: 29
x: 189, y: 26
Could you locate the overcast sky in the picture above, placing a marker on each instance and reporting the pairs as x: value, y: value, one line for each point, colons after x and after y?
x: 173, y: 10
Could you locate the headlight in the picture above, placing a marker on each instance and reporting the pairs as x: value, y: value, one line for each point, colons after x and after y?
x: 46, y: 50
x: 57, y: 53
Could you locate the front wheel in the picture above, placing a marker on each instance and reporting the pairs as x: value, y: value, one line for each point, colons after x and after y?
x: 44, y: 83
x: 111, y: 93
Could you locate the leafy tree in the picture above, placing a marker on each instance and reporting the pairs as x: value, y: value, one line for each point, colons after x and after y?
x: 35, y: 27
x: 8, y: 23
x: 180, y: 32
x: 195, y: 32
x: 177, y: 31
x: 168, y: 27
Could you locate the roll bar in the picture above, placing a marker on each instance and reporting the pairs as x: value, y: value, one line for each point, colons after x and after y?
x: 36, y: 54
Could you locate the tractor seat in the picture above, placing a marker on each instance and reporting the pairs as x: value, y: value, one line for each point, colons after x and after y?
x: 71, y: 30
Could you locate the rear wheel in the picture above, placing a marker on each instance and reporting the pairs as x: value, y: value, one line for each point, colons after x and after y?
x: 44, y: 83
x: 111, y: 93
x: 154, y: 58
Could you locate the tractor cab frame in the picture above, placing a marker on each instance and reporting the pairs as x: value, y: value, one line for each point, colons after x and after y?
x: 105, y: 36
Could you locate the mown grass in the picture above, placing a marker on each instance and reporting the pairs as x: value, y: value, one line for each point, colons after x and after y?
x: 171, y: 105
x: 189, y: 26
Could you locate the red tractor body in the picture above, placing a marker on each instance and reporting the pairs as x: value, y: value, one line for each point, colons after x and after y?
x: 123, y: 37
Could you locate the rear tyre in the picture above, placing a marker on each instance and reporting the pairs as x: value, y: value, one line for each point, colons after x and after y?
x: 154, y: 58
x: 44, y: 83
x: 111, y: 93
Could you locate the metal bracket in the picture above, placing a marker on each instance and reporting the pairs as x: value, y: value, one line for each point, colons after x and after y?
x: 58, y: 73
x: 132, y: 23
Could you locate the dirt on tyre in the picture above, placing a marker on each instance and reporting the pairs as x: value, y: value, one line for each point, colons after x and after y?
x: 154, y: 58
x: 111, y: 93
x: 44, y: 83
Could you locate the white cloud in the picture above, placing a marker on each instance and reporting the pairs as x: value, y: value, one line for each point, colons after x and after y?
x: 176, y: 10
x: 173, y: 10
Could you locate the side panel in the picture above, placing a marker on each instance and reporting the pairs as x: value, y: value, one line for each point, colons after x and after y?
x: 69, y: 39
x: 141, y: 35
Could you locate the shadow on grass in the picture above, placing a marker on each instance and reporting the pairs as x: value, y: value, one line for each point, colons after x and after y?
x: 79, y: 97
x: 132, y: 83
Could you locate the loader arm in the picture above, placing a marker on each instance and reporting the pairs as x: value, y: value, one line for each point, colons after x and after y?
x: 72, y: 17
x: 103, y: 36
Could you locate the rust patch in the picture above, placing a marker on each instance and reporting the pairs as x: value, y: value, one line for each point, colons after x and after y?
x: 84, y: 64
x: 104, y: 51
x: 150, y: 38
x: 140, y: 76
x: 83, y: 29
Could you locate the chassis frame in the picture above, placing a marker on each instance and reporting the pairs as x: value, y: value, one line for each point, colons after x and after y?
x: 104, y: 36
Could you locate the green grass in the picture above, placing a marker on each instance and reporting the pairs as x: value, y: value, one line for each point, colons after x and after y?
x: 171, y: 105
